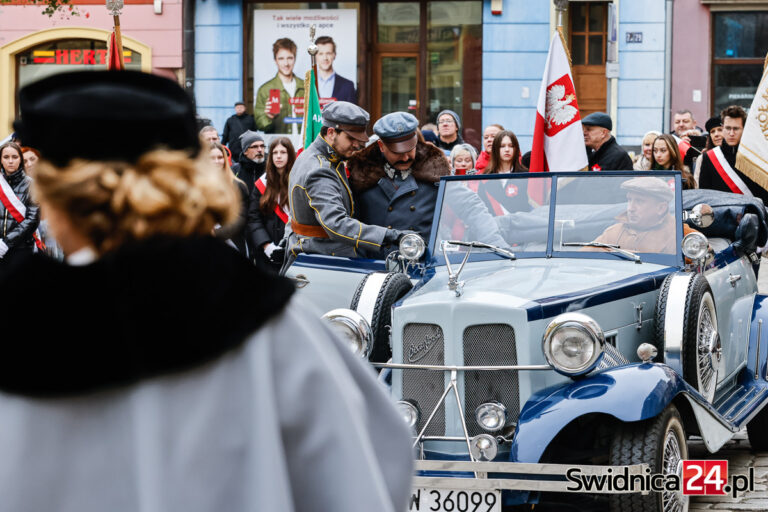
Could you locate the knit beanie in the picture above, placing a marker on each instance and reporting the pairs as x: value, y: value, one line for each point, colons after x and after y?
x: 249, y: 137
x: 453, y: 114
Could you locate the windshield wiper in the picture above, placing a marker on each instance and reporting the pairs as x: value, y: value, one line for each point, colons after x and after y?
x: 615, y: 249
x: 483, y: 245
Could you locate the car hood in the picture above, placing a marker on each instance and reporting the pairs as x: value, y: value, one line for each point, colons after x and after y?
x: 538, y: 284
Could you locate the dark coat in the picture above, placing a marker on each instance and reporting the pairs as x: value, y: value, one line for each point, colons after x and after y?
x: 233, y: 128
x: 249, y: 171
x: 449, y: 145
x: 263, y: 228
x: 397, y: 204
x: 236, y: 232
x: 344, y: 90
x: 710, y: 178
x: 609, y: 157
x: 18, y: 236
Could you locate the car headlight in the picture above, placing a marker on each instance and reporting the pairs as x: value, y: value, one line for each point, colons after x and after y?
x: 411, y: 246
x: 483, y: 447
x: 573, y: 344
x: 352, y: 328
x: 695, y: 246
x: 492, y: 416
x: 409, y: 412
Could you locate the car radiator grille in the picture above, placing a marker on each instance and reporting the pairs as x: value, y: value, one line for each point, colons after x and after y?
x: 424, y: 344
x: 484, y: 345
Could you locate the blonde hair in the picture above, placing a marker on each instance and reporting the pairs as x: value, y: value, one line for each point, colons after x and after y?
x: 164, y: 193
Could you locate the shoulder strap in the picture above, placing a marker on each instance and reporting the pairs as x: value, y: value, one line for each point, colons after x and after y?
x: 732, y: 180
x: 261, y: 184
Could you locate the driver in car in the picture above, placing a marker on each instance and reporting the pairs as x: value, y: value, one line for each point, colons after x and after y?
x: 647, y: 226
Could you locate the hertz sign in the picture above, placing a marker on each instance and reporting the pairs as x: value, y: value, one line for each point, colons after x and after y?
x: 75, y: 56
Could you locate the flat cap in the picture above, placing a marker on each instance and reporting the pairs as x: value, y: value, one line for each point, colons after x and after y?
x: 598, y: 119
x: 342, y: 115
x: 398, y: 131
x: 124, y: 113
x: 651, y: 186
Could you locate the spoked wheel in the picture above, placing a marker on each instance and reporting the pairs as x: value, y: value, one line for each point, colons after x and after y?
x: 702, y: 358
x: 660, y: 443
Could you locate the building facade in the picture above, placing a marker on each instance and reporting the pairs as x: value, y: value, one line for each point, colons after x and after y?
x: 34, y: 45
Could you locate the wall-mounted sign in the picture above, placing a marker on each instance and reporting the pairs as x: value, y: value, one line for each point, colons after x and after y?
x: 634, y: 37
x: 84, y: 57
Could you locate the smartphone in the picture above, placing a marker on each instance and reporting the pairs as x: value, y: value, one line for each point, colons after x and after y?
x: 698, y: 141
x: 274, y: 101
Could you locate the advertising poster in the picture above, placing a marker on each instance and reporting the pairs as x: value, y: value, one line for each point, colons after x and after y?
x: 280, y: 41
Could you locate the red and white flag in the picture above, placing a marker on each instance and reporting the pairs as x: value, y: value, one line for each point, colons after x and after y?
x: 558, y: 140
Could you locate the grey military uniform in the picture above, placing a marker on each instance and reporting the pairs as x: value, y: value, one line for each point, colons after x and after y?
x: 320, y: 198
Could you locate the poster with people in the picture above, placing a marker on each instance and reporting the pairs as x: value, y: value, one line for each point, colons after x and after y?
x: 281, y: 61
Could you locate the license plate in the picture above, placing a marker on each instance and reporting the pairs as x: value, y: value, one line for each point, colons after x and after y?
x: 445, y: 500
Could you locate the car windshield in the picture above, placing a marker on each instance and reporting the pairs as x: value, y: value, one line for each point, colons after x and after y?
x: 631, y: 216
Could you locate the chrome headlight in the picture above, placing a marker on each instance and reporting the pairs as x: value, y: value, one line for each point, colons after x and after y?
x: 484, y: 447
x: 695, y: 246
x: 352, y: 328
x: 573, y: 344
x: 492, y: 416
x: 409, y: 412
x: 412, y: 246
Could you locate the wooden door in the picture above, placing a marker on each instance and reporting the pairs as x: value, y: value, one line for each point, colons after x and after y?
x: 588, y: 35
x: 395, y: 86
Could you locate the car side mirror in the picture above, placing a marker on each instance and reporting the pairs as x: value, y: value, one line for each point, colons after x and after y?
x: 702, y: 215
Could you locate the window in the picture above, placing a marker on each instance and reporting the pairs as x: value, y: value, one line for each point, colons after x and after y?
x: 740, y: 42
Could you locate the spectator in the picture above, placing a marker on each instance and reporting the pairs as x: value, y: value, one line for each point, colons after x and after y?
x: 330, y: 83
x: 285, y: 85
x: 234, y: 232
x: 209, y: 134
x: 432, y: 127
x: 714, y: 127
x: 505, y: 154
x: 685, y: 124
x: 269, y: 211
x: 430, y: 137
x: 251, y: 164
x: 666, y: 156
x: 503, y: 196
x: 31, y: 156
x: 643, y: 160
x: 19, y: 214
x: 448, y: 130
x: 237, y: 124
x: 395, y: 180
x: 718, y: 168
x: 217, y: 389
x: 603, y: 152
x: 463, y: 158
x: 485, y: 155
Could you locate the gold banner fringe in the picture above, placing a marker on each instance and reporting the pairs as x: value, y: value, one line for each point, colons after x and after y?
x: 753, y: 171
x: 568, y: 51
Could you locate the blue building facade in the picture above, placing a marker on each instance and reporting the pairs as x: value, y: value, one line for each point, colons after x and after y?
x: 513, y: 54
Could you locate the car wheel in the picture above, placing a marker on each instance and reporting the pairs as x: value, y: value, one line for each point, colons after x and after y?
x: 757, y: 430
x: 373, y: 299
x: 686, y: 330
x: 660, y: 443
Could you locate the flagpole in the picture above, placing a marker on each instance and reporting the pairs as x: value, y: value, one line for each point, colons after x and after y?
x: 312, y: 50
x: 115, y: 7
x: 561, y: 6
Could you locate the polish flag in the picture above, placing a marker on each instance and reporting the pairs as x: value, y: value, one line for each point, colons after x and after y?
x: 558, y: 140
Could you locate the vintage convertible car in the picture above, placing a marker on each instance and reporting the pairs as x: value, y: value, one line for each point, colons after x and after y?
x: 569, y: 335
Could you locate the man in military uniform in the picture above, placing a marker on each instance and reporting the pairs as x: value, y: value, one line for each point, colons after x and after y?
x: 647, y: 226
x: 395, y: 180
x: 320, y: 198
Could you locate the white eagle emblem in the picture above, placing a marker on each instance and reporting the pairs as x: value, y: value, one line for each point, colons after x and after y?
x: 559, y: 108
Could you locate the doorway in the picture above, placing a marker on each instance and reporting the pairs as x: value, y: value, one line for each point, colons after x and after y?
x: 588, y: 35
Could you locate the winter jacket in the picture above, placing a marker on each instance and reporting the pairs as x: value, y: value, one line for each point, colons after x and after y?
x: 249, y: 171
x: 236, y: 231
x: 710, y: 178
x: 263, y: 228
x: 449, y: 145
x: 609, y: 157
x: 233, y: 128
x: 18, y: 236
x: 397, y: 204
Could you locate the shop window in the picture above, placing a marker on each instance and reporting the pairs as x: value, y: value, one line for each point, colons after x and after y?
x: 740, y: 41
x: 59, y: 56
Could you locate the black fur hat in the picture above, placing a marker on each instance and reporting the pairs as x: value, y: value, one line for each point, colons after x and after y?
x: 105, y: 115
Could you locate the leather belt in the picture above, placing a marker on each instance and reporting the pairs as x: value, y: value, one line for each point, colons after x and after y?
x: 308, y: 230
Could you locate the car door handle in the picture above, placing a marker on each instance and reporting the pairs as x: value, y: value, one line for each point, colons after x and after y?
x: 733, y: 279
x: 300, y: 280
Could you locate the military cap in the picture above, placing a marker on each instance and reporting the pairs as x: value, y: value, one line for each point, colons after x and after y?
x: 598, y: 119
x: 124, y: 113
x: 348, y: 117
x: 398, y: 131
x: 651, y: 186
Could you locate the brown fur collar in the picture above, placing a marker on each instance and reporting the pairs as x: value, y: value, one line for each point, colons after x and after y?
x: 366, y: 168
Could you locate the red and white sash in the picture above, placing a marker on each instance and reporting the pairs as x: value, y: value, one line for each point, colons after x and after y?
x: 15, y: 207
x: 727, y: 173
x: 261, y: 184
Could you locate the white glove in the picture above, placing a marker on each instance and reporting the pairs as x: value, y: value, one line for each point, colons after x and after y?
x: 3, y: 249
x: 269, y: 249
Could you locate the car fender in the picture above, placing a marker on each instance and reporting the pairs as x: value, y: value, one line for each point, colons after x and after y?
x: 629, y: 393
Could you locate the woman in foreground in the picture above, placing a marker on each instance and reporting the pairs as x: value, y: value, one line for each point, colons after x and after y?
x: 170, y: 373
